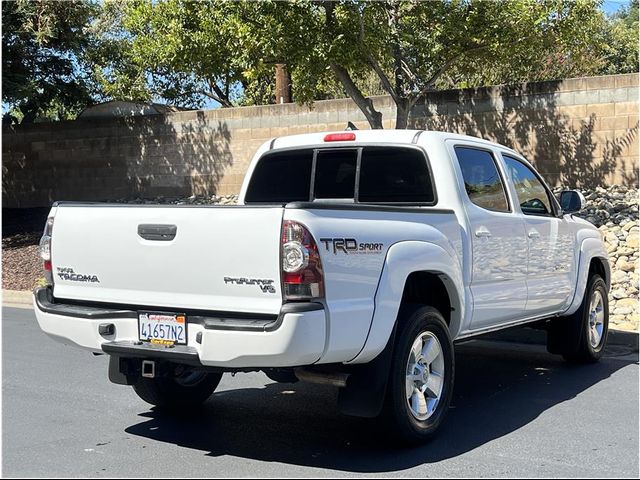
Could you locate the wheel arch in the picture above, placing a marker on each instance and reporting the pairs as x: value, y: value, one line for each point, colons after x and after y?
x: 414, y: 272
x: 426, y: 287
x: 601, y: 266
x: 593, y: 258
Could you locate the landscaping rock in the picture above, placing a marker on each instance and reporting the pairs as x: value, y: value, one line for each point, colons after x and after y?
x: 615, y: 211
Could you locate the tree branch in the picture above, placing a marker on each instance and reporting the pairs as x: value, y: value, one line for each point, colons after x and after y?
x: 365, y: 104
x: 218, y: 95
x: 440, y: 71
x: 386, y: 83
x: 408, y: 72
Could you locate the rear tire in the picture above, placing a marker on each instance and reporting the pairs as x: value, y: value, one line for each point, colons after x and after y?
x: 421, y: 377
x: 190, y: 389
x: 582, y: 336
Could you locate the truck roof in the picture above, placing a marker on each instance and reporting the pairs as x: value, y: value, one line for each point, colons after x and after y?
x: 374, y: 136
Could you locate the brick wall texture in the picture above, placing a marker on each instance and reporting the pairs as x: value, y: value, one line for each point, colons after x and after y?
x: 579, y: 132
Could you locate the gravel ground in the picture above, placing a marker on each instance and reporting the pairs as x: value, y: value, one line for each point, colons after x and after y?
x: 21, y: 232
x: 21, y: 265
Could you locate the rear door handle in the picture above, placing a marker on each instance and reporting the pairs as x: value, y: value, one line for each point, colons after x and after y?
x: 483, y: 232
x: 156, y: 232
x: 534, y: 234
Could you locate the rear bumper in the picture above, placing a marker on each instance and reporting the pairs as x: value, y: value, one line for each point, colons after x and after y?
x: 296, y: 337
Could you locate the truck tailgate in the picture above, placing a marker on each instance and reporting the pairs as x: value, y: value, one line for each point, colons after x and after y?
x: 221, y: 258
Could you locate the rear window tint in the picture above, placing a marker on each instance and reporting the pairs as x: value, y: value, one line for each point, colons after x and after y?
x: 394, y: 175
x: 386, y: 175
x: 281, y: 177
x: 335, y: 174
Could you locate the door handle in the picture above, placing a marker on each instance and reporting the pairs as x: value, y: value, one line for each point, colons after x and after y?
x: 162, y: 233
x: 533, y: 234
x: 483, y: 232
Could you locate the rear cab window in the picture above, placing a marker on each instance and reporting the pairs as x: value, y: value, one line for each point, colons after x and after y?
x: 281, y: 178
x: 335, y: 174
x: 391, y: 176
x: 368, y: 174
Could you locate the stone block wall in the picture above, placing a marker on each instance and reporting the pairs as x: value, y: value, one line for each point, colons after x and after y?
x: 580, y: 132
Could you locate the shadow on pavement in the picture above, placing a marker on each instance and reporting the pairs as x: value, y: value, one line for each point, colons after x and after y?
x: 497, y: 391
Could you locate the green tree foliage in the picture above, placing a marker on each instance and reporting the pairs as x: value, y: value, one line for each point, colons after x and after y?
x: 183, y: 51
x: 415, y: 47
x: 621, y: 41
x: 42, y: 74
x: 116, y: 72
x: 58, y: 56
x: 226, y: 50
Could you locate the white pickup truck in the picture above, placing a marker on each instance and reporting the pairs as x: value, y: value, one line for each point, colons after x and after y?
x: 354, y: 258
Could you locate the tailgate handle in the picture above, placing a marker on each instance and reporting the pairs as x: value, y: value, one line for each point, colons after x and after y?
x: 162, y: 233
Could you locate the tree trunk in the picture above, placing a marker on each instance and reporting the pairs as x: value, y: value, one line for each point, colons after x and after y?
x: 283, y: 84
x: 402, y: 113
x: 365, y: 104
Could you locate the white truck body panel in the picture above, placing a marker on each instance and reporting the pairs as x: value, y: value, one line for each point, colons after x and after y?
x: 353, y: 279
x: 399, y: 264
x: 299, y: 341
x: 189, y: 271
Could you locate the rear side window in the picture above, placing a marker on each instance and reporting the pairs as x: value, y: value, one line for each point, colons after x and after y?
x: 394, y: 175
x: 281, y: 178
x: 335, y: 174
x: 481, y: 179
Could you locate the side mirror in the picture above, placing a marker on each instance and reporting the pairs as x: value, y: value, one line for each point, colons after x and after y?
x: 572, y: 201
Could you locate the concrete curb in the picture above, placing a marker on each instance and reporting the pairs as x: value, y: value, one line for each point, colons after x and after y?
x: 17, y: 298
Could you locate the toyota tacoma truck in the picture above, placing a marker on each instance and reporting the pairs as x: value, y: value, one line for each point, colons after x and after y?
x: 356, y: 259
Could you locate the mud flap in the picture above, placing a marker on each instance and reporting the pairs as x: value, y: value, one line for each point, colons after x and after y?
x: 564, y: 334
x: 122, y: 371
x: 367, y: 385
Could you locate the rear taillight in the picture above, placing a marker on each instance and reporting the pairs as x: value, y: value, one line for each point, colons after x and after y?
x: 302, y: 277
x: 45, y: 250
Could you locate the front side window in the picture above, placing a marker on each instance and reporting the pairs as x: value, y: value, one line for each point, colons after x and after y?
x: 532, y: 195
x: 481, y: 179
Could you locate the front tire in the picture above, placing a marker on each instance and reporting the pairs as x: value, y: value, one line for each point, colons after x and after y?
x: 172, y: 392
x: 421, y: 379
x: 582, y: 336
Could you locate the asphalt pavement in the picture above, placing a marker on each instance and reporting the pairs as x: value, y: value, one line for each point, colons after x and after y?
x: 517, y: 411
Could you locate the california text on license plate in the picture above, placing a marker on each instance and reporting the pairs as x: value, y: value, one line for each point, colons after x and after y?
x: 162, y: 328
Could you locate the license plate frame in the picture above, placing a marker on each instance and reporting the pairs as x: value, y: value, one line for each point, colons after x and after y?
x: 163, y: 328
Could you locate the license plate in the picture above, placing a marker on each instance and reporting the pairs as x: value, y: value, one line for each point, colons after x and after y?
x: 162, y: 328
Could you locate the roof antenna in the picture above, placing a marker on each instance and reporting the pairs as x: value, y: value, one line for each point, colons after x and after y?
x: 351, y: 126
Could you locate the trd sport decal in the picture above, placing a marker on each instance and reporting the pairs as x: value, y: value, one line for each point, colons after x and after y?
x: 350, y: 245
x: 265, y: 285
